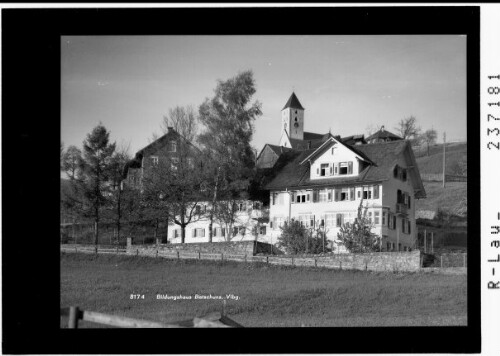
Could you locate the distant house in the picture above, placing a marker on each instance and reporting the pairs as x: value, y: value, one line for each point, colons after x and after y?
x: 383, y: 135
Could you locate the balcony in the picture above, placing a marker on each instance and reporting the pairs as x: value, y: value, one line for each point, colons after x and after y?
x: 261, y: 215
x: 401, y: 209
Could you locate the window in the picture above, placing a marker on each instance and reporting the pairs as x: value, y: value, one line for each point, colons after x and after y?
x: 376, y: 191
x: 174, y: 163
x: 323, y: 169
x: 262, y: 230
x: 377, y: 217
x: 359, y: 193
x: 340, y: 220
x: 154, y: 161
x: 370, y: 217
x: 190, y: 163
x: 177, y: 233
x: 399, y: 246
x: 352, y: 194
x: 273, y: 198
x: 367, y: 193
x: 330, y: 220
x: 388, y: 246
x: 301, y: 198
x: 323, y: 196
x: 344, y: 194
x: 198, y: 209
x: 343, y: 169
x: 198, y: 232
x: 214, y: 233
x: 172, y: 146
x: 384, y: 214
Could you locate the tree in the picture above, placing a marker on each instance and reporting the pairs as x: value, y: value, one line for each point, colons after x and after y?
x: 94, y: 175
x: 228, y: 119
x: 71, y: 161
x: 357, y: 237
x: 407, y: 128
x: 183, y: 120
x: 429, y: 137
x: 296, y: 238
x: 119, y: 193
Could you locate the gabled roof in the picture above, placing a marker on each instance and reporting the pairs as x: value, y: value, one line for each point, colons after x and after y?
x: 383, y: 134
x: 383, y: 155
x: 293, y: 102
x: 332, y: 141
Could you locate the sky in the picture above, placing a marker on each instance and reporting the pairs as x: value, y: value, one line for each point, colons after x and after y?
x: 345, y: 83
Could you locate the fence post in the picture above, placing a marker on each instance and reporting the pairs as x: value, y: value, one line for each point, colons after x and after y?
x: 267, y: 259
x: 199, y: 255
x: 73, y: 318
x: 178, y: 257
x: 441, y: 261
x: 222, y: 256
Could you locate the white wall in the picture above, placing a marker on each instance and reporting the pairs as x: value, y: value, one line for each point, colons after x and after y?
x: 340, y: 154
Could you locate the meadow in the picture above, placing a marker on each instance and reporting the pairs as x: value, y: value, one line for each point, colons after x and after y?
x: 267, y: 296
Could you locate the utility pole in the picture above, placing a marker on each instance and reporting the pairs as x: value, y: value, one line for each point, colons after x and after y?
x: 444, y: 158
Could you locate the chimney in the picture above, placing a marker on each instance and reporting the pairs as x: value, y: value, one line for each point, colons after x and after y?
x: 170, y: 129
x: 382, y: 128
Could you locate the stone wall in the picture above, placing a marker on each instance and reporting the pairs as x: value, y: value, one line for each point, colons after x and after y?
x: 229, y: 248
x: 245, y: 252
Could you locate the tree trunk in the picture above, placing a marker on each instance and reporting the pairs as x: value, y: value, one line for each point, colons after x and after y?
x: 213, y: 206
x: 96, y: 234
x: 427, y: 149
x: 119, y: 216
x: 156, y: 233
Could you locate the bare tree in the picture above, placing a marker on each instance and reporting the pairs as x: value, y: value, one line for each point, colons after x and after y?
x: 407, y: 128
x: 183, y: 120
x: 429, y: 137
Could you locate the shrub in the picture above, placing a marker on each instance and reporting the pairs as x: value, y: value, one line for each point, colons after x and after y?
x: 296, y: 238
x: 357, y: 236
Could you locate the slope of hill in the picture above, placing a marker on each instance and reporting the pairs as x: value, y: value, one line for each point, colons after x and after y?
x: 450, y: 199
x: 455, y: 152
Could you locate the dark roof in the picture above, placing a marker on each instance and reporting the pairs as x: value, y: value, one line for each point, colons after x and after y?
x: 312, y: 136
x: 293, y: 102
x: 278, y: 149
x: 314, y: 140
x: 384, y: 155
x: 383, y: 134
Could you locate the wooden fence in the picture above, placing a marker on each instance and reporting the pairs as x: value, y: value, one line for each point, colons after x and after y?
x: 438, y: 177
x: 213, y: 320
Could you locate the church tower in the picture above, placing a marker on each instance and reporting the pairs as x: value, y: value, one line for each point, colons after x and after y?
x: 292, y: 118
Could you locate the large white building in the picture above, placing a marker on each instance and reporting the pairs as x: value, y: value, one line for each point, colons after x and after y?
x: 321, y: 183
x: 319, y: 180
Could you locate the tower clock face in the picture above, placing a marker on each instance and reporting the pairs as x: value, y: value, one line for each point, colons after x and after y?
x: 296, y: 124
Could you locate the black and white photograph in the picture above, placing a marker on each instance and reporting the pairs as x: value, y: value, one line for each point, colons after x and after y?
x: 269, y: 180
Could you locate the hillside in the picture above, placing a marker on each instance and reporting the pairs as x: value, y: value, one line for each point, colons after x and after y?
x: 455, y: 152
x: 450, y: 198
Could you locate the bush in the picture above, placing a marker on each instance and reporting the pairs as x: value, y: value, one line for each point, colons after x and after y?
x: 296, y: 239
x: 357, y: 236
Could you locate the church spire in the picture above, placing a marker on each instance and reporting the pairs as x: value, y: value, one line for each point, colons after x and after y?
x: 293, y: 102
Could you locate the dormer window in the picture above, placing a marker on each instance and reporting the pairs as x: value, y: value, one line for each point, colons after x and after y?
x: 345, y: 168
x: 172, y: 146
x: 154, y: 161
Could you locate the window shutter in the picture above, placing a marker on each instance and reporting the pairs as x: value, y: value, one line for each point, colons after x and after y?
x: 376, y: 192
x: 294, y: 197
x: 352, y: 194
x: 317, y: 171
x: 336, y: 195
x: 336, y: 168
x: 329, y: 195
x: 409, y: 227
x: 409, y: 204
x: 331, y: 170
x: 315, y: 196
x: 349, y: 169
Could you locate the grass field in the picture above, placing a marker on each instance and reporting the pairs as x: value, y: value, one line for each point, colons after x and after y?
x: 447, y: 199
x: 268, y: 296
